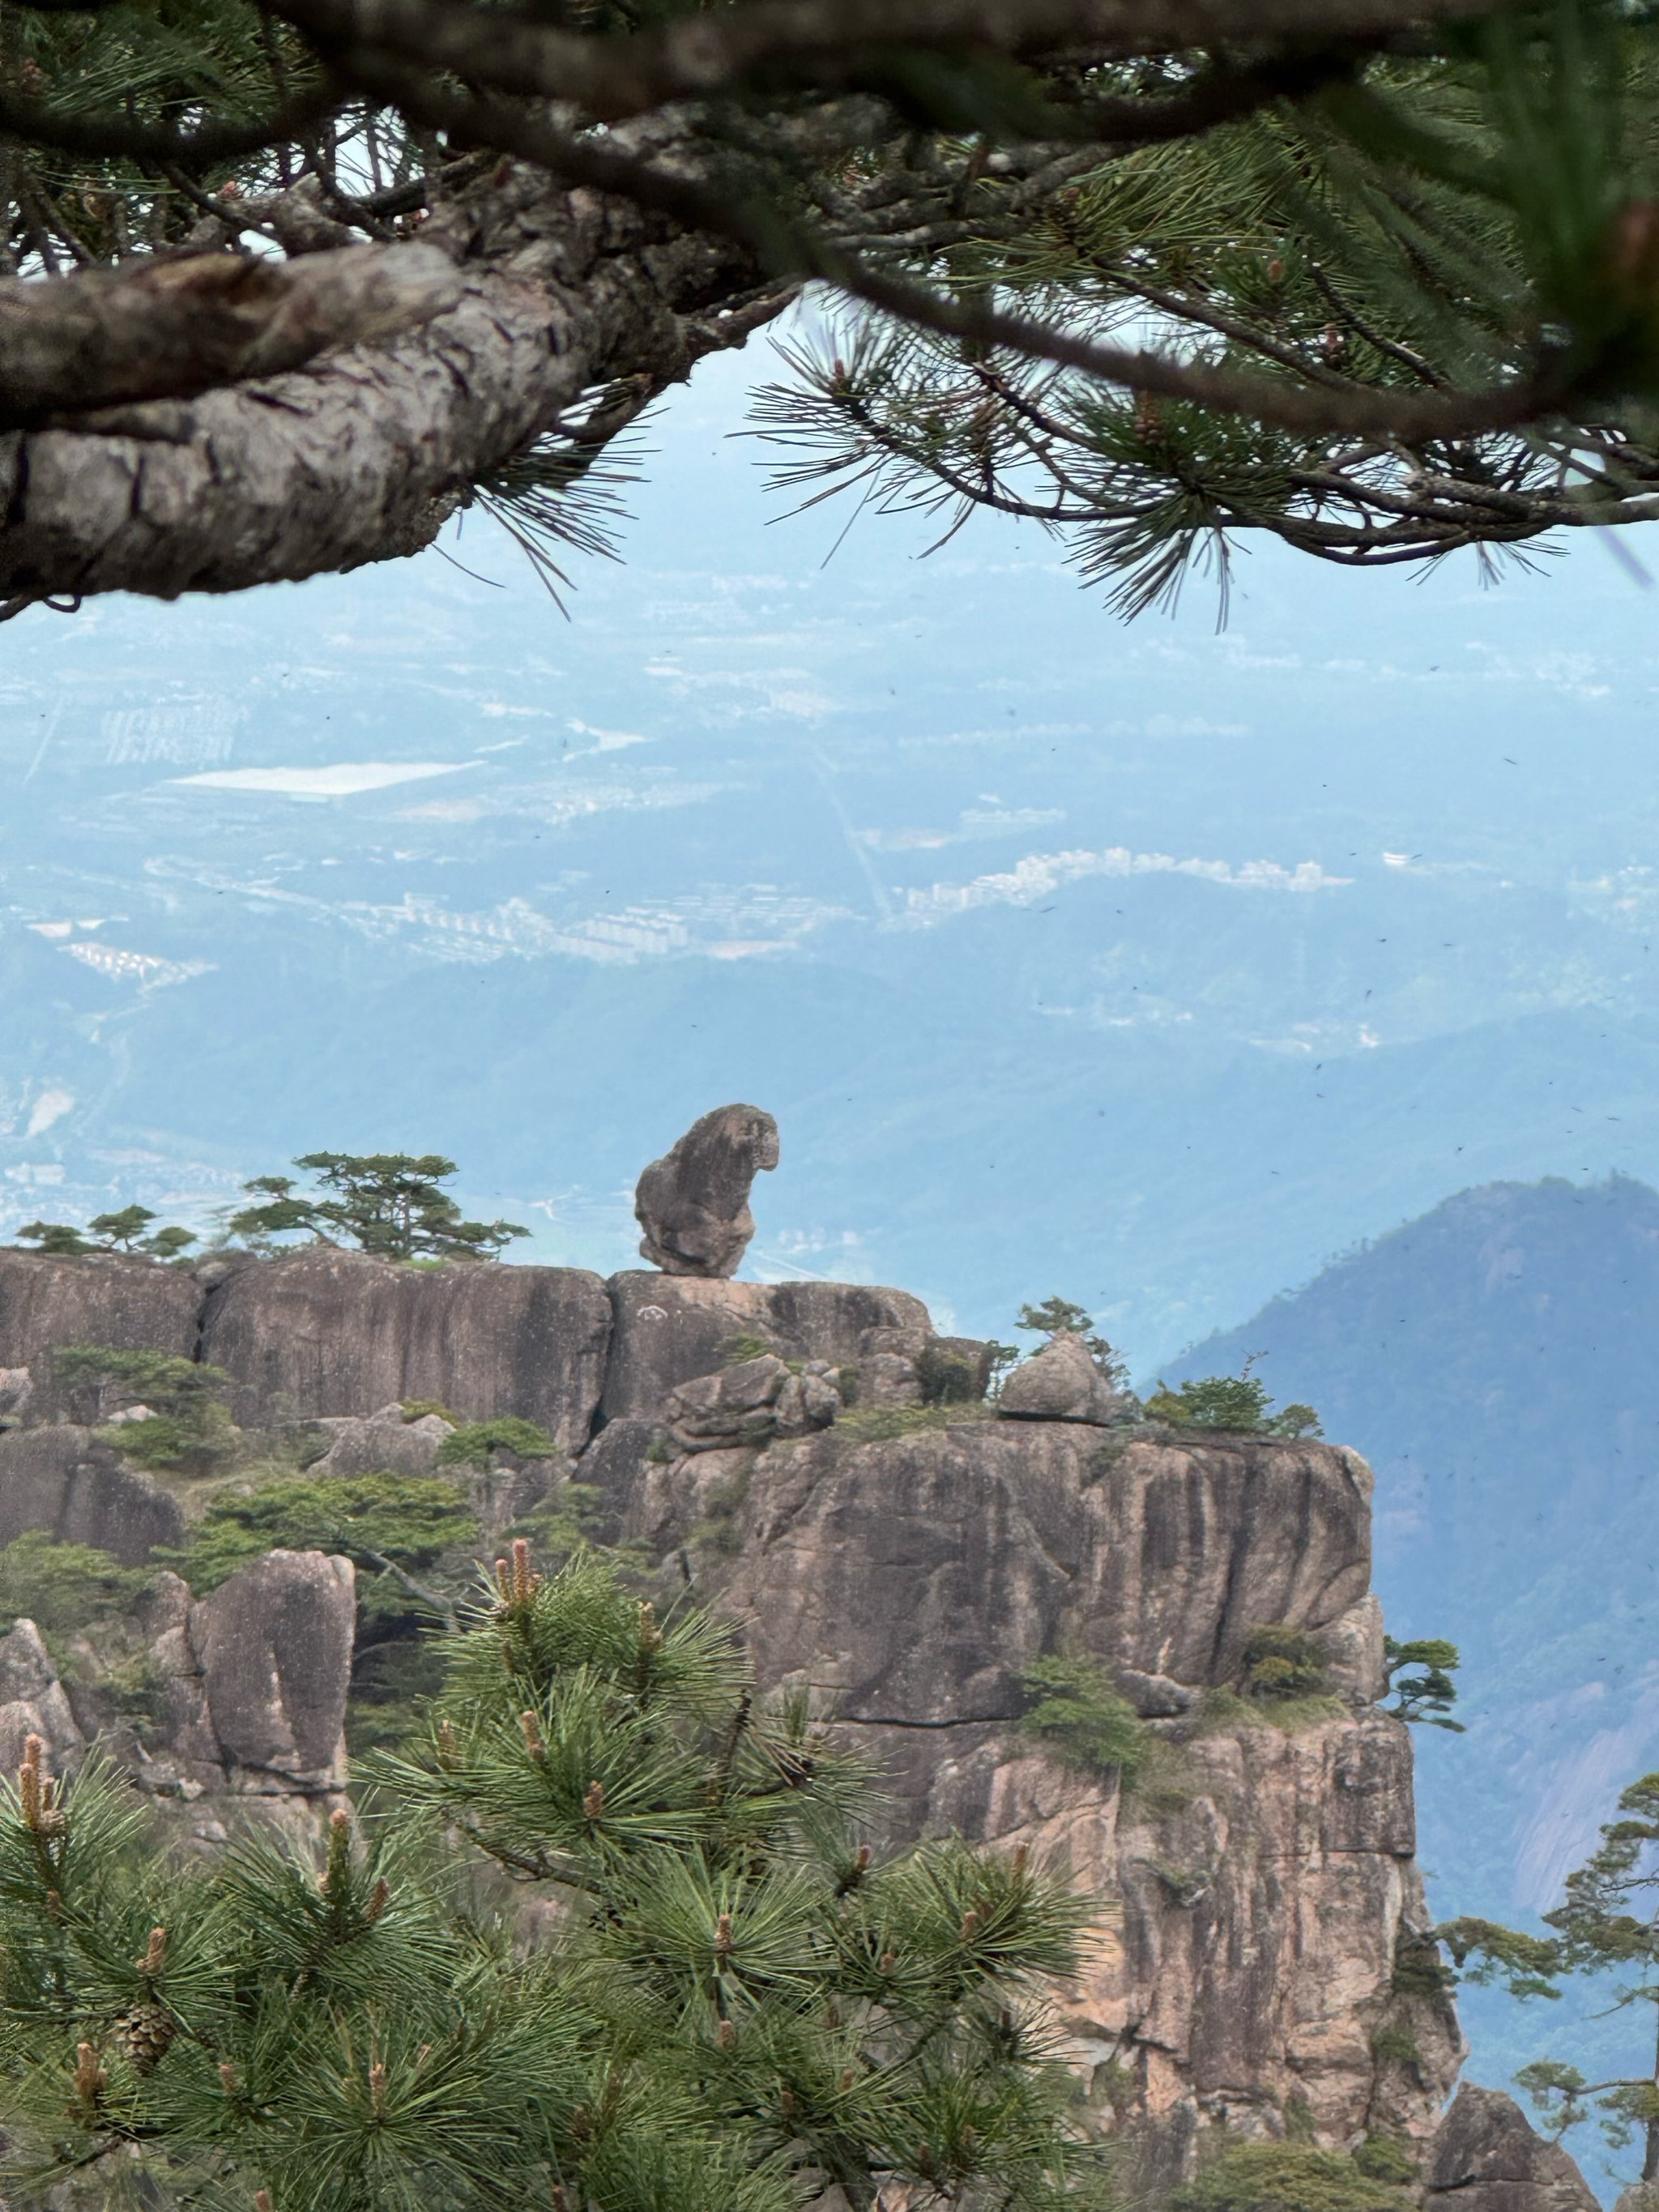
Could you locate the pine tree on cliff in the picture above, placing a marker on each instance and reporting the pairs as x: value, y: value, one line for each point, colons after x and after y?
x: 1373, y: 276
x: 386, y: 1203
x: 733, y: 2003
x: 1606, y: 1926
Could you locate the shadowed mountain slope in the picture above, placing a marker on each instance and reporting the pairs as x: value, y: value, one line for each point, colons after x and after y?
x: 1495, y: 1361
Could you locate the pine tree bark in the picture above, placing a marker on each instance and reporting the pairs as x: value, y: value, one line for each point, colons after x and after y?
x: 363, y: 453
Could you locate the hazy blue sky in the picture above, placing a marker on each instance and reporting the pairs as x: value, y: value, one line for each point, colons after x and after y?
x: 1161, y: 961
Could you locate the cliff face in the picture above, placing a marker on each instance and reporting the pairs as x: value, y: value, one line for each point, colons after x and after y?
x: 332, y: 1332
x: 1253, y: 1910
x: 902, y: 1564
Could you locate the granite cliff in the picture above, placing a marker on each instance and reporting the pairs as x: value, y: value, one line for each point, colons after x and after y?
x: 820, y: 1461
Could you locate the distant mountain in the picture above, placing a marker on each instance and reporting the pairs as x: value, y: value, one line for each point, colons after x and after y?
x: 1496, y: 1362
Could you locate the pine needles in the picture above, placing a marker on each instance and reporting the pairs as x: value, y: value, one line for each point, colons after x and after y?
x: 739, y: 2005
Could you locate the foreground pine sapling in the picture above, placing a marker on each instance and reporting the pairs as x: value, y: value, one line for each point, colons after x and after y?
x: 739, y: 2007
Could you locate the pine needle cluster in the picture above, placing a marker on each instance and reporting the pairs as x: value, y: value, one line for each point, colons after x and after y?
x: 1434, y: 225
x: 739, y: 2005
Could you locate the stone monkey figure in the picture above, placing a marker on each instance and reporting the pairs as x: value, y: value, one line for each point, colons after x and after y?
x: 693, y: 1203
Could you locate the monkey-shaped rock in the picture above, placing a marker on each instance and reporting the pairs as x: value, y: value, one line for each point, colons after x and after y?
x: 693, y: 1203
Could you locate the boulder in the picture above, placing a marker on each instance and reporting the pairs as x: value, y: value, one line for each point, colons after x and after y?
x: 731, y: 1406
x: 693, y: 1203
x: 64, y: 1481
x: 670, y: 1329
x: 33, y: 1702
x: 750, y: 1402
x: 1352, y: 1649
x: 325, y: 1332
x: 1154, y: 1696
x: 1060, y: 1383
x: 17, y: 1388
x: 381, y: 1444
x: 909, y: 1578
x: 1487, y: 2158
x: 273, y: 1645
x: 808, y: 1401
x: 133, y: 1304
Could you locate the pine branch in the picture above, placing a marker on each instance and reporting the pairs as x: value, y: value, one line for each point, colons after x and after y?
x: 172, y: 328
x: 825, y: 43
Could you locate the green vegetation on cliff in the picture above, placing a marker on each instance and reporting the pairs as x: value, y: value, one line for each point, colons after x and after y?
x: 736, y: 2007
x: 386, y: 1203
x: 65, y: 1589
x: 1289, y: 2177
x: 163, y: 1413
x: 386, y: 1524
x: 1606, y: 1929
x: 1236, y: 1402
x: 127, y: 1230
x: 1076, y: 1713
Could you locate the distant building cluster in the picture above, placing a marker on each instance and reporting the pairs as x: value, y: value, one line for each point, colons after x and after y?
x: 757, y: 920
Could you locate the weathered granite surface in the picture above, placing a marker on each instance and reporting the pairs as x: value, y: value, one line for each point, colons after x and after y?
x: 33, y: 1702
x: 670, y: 1329
x: 1487, y: 2159
x: 1251, y: 1916
x: 338, y: 1332
x: 133, y: 1304
x: 1252, y: 1958
x: 693, y: 1203
x: 1250, y: 1922
x: 61, y: 1480
x: 750, y: 1402
x: 380, y: 1442
x: 911, y: 1578
x: 256, y: 1676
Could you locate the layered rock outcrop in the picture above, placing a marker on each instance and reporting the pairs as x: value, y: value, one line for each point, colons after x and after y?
x: 252, y: 1680
x: 672, y: 1329
x: 1487, y: 2159
x: 794, y: 1449
x: 63, y: 1480
x: 326, y: 1334
x: 338, y: 1332
x: 131, y: 1304
x: 1246, y: 1959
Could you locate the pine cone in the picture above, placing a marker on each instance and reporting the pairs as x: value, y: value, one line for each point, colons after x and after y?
x: 145, y: 2035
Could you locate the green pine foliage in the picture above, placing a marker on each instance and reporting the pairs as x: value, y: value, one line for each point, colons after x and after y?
x: 187, y: 1428
x: 1077, y: 1714
x: 1429, y: 1693
x: 1607, y: 1927
x: 397, y: 1525
x: 1287, y: 2177
x: 947, y: 1378
x: 475, y: 1442
x: 126, y: 1230
x: 1282, y: 1663
x: 739, y: 2007
x: 387, y: 1203
x: 1237, y: 1403
x: 1419, y: 227
x: 65, y: 1589
x: 1059, y: 1316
